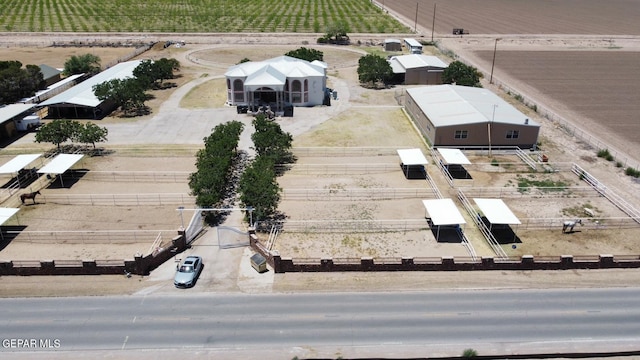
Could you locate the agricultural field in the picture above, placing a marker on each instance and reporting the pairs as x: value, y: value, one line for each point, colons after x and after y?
x: 194, y: 16
x: 585, y: 17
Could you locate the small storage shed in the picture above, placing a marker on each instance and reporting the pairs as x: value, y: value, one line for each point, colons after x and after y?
x: 259, y: 263
x: 412, y: 163
x: 392, y: 45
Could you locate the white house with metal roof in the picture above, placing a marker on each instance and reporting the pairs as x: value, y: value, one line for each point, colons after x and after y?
x: 277, y: 82
x: 457, y: 116
x: 81, y: 102
x: 417, y: 69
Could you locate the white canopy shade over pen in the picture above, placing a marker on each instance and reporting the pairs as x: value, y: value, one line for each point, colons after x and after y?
x: 18, y: 163
x: 5, y: 214
x: 60, y: 163
x: 443, y: 212
x: 412, y: 157
x: 453, y: 156
x: 497, y: 212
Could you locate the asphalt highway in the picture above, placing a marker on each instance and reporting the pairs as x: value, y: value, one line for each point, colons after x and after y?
x: 443, y: 322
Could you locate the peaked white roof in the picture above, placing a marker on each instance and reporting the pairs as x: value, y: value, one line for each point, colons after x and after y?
x: 60, y: 163
x: 447, y: 105
x: 413, y: 61
x: 10, y: 111
x: 412, y: 157
x: 443, y: 212
x: 17, y: 163
x: 453, y: 156
x: 82, y: 94
x: 497, y: 211
x: 275, y: 71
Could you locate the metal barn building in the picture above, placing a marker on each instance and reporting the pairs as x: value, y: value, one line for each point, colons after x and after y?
x: 451, y: 115
x: 417, y: 69
x: 392, y: 45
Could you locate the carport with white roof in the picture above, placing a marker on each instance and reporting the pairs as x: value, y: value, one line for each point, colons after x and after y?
x: 60, y: 164
x: 499, y: 218
x: 443, y: 212
x: 6, y: 214
x: 453, y: 161
x: 412, y: 162
x: 18, y: 163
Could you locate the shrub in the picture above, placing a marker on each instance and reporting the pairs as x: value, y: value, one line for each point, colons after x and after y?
x: 469, y: 353
x: 632, y: 172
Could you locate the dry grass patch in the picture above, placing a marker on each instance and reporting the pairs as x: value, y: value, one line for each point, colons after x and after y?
x: 363, y: 127
x: 211, y: 94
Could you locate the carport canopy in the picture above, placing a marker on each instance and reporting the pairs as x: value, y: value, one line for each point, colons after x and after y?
x: 443, y: 212
x: 18, y: 163
x: 496, y: 211
x: 60, y: 163
x: 412, y: 157
x: 6, y: 213
x: 453, y: 156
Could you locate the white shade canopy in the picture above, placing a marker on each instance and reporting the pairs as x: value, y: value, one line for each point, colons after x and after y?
x: 496, y: 211
x: 60, y: 163
x: 18, y: 163
x: 453, y: 156
x: 443, y: 212
x: 412, y: 157
x: 6, y: 213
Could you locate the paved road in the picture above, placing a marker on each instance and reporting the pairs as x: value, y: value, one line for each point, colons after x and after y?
x: 351, y: 324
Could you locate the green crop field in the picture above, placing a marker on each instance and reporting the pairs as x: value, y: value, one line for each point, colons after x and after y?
x: 194, y: 16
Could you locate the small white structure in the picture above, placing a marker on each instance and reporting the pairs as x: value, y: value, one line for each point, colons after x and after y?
x: 413, y: 46
x: 28, y: 122
x: 277, y: 82
x: 412, y: 162
x: 60, y: 164
x: 443, y: 212
x: 418, y: 69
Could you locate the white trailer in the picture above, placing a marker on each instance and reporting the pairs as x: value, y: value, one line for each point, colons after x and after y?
x: 28, y: 123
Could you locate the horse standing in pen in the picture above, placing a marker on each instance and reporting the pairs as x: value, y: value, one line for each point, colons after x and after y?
x: 570, y: 224
x: 31, y: 196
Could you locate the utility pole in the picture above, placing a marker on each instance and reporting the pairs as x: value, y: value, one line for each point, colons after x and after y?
x: 433, y: 23
x: 415, y: 24
x: 493, y: 63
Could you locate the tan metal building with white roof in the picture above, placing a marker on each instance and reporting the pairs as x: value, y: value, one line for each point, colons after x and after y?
x: 459, y: 116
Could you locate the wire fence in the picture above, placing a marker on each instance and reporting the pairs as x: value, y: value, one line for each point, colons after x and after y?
x: 344, y: 151
x: 120, y: 199
x: 94, y: 237
x: 352, y: 226
x: 339, y: 169
x: 370, y: 194
x: 135, y: 176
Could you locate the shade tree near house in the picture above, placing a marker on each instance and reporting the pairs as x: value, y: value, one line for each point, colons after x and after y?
x: 59, y: 131
x: 82, y: 64
x: 17, y: 82
x: 373, y: 70
x: 460, y: 73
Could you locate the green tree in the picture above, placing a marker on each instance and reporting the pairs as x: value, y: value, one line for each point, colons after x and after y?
x: 17, y: 83
x: 373, y: 69
x: 58, y: 131
x: 259, y: 189
x: 82, y: 64
x: 128, y: 93
x: 270, y: 141
x: 90, y: 133
x: 151, y: 74
x: 213, y: 164
x: 461, y: 74
x: 306, y: 54
x: 337, y: 31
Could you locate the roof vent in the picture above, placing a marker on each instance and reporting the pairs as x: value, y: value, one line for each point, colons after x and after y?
x: 526, y: 121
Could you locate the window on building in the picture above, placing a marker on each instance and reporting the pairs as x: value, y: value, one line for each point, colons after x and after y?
x: 306, y: 90
x: 296, y: 92
x: 513, y: 134
x: 238, y: 91
x: 229, y: 91
x: 461, y: 134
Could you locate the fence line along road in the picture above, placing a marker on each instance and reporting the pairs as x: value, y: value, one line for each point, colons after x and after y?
x: 120, y: 199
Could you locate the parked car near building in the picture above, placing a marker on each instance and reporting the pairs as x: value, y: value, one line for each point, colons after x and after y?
x: 188, y: 272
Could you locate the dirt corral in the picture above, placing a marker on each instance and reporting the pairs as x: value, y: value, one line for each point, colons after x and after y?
x: 105, y: 209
